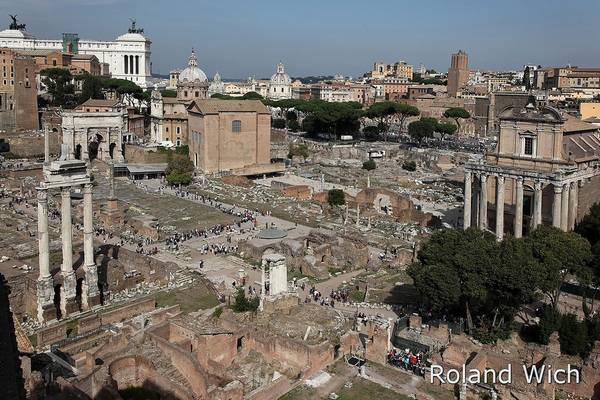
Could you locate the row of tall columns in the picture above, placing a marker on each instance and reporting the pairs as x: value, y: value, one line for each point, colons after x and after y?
x: 537, y: 204
x: 483, y: 202
x: 90, y: 295
x: 564, y: 207
x: 468, y: 195
x: 45, y: 284
x: 500, y: 207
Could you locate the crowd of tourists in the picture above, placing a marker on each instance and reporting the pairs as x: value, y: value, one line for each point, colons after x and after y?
x: 407, y: 360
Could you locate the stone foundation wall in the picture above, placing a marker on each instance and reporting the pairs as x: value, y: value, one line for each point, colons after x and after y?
x: 51, y: 334
x: 128, y: 311
x: 30, y: 145
x: 141, y: 155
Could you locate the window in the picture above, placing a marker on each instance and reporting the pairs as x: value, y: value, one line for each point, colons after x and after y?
x: 167, y: 129
x: 197, y: 94
x: 236, y: 126
x: 528, y: 146
x: 185, y: 93
x: 178, y: 130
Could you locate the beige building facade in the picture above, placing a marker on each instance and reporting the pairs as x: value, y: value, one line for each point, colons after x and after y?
x: 230, y: 135
x: 544, y: 170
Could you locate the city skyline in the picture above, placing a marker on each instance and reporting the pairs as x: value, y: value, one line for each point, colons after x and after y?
x: 224, y: 34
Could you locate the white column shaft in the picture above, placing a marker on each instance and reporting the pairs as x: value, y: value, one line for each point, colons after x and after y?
x: 467, y: 195
x: 519, y: 209
x: 556, y: 206
x: 43, y: 241
x: 66, y: 231
x: 88, y: 226
x: 564, y: 208
x: 483, y: 203
x: 573, y: 198
x: 537, y: 205
x: 500, y: 207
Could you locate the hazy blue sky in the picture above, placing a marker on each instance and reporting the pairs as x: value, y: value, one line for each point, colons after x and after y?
x: 240, y: 38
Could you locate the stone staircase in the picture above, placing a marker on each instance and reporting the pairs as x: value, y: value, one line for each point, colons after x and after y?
x: 163, y: 365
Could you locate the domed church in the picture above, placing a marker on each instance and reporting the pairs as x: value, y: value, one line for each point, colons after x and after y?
x: 192, y: 83
x: 169, y: 117
x: 281, y: 84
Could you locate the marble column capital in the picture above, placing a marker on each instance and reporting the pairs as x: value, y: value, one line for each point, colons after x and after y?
x: 42, y: 195
x: 558, y: 188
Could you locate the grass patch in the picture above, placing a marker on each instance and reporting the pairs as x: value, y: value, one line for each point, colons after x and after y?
x: 357, y: 296
x: 189, y: 299
x: 301, y: 392
x: 72, y: 328
x: 33, y: 340
x: 363, y: 389
x: 437, y: 392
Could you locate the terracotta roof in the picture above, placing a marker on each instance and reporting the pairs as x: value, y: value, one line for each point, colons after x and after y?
x: 170, y: 100
x: 574, y: 124
x: 214, y: 106
x: 99, y: 103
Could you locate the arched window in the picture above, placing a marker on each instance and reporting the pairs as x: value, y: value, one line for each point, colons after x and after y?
x: 236, y: 126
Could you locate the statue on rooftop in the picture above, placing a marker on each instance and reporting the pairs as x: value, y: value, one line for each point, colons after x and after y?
x: 133, y: 28
x: 15, y: 24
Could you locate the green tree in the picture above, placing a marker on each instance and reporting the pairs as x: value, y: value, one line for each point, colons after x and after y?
x: 382, y: 112
x: 456, y: 113
x: 300, y: 150
x: 419, y: 130
x: 446, y: 129
x: 559, y: 254
x: 369, y: 165
x: 371, y: 133
x: 243, y: 304
x: 589, y: 227
x: 293, y: 125
x: 573, y: 335
x: 179, y: 170
x: 453, y: 270
x: 409, y: 166
x: 168, y: 93
x: 252, y: 96
x: 91, y: 88
x: 291, y: 116
x: 279, y: 123
x: 336, y: 197
x: 59, y: 83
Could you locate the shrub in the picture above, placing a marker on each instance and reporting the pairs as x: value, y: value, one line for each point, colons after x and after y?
x: 279, y: 123
x: 409, y: 166
x: 243, y: 304
x: 336, y: 197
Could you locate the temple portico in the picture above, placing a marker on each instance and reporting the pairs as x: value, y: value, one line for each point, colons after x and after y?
x: 535, y: 174
x: 525, y: 201
x: 65, y: 175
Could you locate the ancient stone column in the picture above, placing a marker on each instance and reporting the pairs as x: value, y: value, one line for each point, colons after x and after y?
x: 467, y: 195
x: 500, y: 207
x: 68, y: 303
x: 46, y: 145
x: 519, y: 209
x: 45, y: 285
x: 573, y: 197
x: 90, y: 294
x: 537, y: 204
x: 556, y: 206
x: 483, y: 203
x: 564, y: 208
